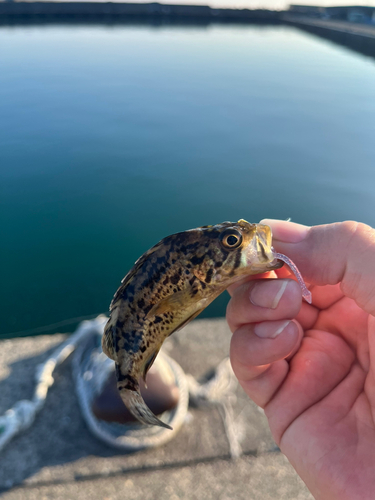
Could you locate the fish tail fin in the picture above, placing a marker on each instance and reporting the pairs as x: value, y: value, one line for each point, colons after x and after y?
x: 134, y: 402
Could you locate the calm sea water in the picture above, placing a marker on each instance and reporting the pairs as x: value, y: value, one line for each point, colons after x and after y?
x: 113, y: 137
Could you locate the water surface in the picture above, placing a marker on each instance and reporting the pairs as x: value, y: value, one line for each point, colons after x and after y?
x: 113, y: 137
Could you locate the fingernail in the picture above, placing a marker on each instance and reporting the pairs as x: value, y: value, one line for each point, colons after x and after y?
x: 270, y: 330
x: 267, y: 293
x: 288, y: 232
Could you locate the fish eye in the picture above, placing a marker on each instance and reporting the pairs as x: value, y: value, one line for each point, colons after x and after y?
x: 231, y: 239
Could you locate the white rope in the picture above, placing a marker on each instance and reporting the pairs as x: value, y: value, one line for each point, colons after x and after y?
x: 219, y: 390
x: 132, y: 437
x: 23, y: 413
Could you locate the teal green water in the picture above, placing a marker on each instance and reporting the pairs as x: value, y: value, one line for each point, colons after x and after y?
x: 113, y: 137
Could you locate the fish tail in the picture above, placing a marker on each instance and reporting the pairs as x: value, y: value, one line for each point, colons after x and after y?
x: 130, y: 394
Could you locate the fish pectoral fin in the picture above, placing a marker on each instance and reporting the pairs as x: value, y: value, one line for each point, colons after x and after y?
x: 152, y: 358
x: 175, y: 301
x: 187, y: 320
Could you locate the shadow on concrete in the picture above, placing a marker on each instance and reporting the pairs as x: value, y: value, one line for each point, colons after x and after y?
x: 58, y: 434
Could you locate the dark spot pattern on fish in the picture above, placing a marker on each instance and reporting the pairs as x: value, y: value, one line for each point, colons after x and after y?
x: 175, y: 278
x: 141, y: 303
x: 209, y: 274
x: 196, y: 260
x: 172, y: 267
x: 237, y: 262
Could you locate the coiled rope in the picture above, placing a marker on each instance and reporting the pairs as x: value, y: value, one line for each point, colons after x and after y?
x: 91, y: 366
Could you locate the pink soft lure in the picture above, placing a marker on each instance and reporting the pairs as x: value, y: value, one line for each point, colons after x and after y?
x: 306, y: 294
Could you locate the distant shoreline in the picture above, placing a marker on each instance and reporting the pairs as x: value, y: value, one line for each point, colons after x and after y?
x: 10, y: 10
x: 358, y: 36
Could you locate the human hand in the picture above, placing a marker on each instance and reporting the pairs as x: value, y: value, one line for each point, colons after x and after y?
x: 314, y: 375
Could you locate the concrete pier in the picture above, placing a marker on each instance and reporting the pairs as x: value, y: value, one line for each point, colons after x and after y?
x: 58, y: 457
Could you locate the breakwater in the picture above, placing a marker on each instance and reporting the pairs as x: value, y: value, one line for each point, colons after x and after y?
x: 356, y: 36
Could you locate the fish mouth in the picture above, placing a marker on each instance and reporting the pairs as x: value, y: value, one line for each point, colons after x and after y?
x: 276, y: 264
x: 270, y: 266
x: 263, y: 267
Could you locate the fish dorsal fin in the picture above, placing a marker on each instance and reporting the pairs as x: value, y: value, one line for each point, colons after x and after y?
x: 108, y: 341
x: 133, y: 271
x: 124, y: 284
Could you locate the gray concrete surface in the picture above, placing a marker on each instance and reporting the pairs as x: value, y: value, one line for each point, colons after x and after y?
x: 58, y: 458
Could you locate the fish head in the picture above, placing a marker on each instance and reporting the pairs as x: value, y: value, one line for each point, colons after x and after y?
x: 237, y: 249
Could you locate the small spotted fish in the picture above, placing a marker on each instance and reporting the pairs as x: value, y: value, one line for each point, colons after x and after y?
x: 169, y: 286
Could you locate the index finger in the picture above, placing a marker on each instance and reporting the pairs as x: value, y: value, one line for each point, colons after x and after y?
x: 343, y: 252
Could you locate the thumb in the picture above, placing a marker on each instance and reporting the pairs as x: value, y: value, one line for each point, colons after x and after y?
x: 343, y: 253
